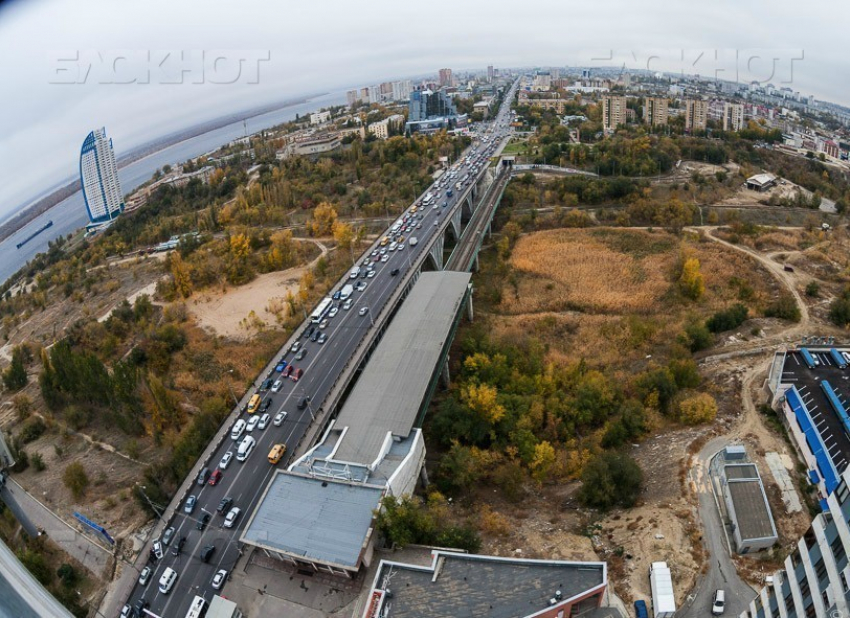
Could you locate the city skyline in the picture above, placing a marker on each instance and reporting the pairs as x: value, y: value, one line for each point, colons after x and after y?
x: 52, y: 116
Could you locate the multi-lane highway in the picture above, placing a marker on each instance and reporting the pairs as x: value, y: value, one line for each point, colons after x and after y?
x: 322, y: 365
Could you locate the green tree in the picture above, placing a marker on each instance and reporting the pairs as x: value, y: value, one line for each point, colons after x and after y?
x: 610, y: 479
x: 15, y: 376
x: 76, y: 479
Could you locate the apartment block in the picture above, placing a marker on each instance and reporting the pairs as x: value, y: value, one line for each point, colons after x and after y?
x: 733, y: 117
x: 613, y: 112
x: 696, y: 115
x: 656, y: 111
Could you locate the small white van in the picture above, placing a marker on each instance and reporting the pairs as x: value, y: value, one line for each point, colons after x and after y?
x: 245, y: 447
x: 166, y: 582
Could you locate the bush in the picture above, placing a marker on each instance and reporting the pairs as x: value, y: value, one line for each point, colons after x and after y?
x: 68, y: 575
x: 698, y: 337
x: 38, y: 462
x: 727, y: 319
x: 32, y: 430
x: 701, y: 408
x: 610, y: 479
x: 76, y: 479
x: 784, y: 308
x: 15, y: 376
x: 406, y: 521
x: 22, y: 405
x: 839, y: 310
x: 813, y: 289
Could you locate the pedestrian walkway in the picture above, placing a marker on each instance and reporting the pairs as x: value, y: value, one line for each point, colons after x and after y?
x: 95, y: 557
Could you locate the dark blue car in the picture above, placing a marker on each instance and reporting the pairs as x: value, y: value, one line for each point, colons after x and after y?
x: 640, y: 609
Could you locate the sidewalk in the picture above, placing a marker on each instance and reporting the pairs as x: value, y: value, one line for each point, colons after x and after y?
x: 95, y: 557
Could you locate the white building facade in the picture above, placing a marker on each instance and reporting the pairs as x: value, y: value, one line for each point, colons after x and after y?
x: 99, y: 178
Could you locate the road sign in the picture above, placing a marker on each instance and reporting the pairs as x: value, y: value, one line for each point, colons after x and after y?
x: 96, y: 527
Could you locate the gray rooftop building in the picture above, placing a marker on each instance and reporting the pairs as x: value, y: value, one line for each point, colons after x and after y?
x: 748, y: 508
x: 319, y: 513
x: 459, y: 585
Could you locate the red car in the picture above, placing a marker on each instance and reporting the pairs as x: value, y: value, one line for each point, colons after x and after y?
x: 288, y: 371
x: 216, y: 477
x: 296, y: 375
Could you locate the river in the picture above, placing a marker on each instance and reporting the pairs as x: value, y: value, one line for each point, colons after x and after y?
x: 70, y: 215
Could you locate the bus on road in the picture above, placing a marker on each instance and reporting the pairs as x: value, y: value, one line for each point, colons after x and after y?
x: 321, y: 311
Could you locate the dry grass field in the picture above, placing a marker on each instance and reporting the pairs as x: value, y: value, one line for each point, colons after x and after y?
x: 610, y: 295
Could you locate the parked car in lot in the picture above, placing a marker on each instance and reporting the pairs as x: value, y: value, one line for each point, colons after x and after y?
x: 189, y: 505
x: 252, y: 423
x: 219, y: 578
x: 279, y: 418
x: 264, y: 421
x: 225, y: 460
x: 215, y: 477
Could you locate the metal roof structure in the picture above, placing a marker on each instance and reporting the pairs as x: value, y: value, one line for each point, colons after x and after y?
x: 389, y: 394
x: 752, y: 515
x: 472, y: 585
x: 21, y: 593
x: 327, y: 521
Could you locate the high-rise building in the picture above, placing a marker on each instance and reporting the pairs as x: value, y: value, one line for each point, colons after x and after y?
x: 445, y: 77
x: 490, y: 74
x: 542, y: 81
x: 401, y: 90
x: 426, y: 104
x: 352, y: 97
x: 696, y: 115
x: 374, y: 94
x: 613, y: 112
x: 99, y: 178
x: 386, y: 88
x: 733, y: 117
x: 655, y: 111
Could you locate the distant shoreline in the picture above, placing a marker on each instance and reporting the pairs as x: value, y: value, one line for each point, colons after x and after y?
x: 40, y: 206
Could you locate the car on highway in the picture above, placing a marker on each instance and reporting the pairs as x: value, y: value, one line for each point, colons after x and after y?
x: 278, y: 384
x: 219, y: 578
x: 215, y: 477
x: 252, y: 424
x: 252, y: 405
x: 178, y: 547
x: 385, y: 258
x: 225, y: 460
x: 207, y: 552
x: 302, y: 403
x: 296, y: 375
x: 394, y: 272
x: 276, y: 453
x: 267, y: 403
x: 245, y: 448
x: 167, y: 535
x: 299, y: 356
x: 203, y: 521
x: 294, y: 347
x: 189, y: 505
x: 156, y: 550
x: 401, y: 246
x: 361, y: 285
x: 314, y: 336
x: 280, y: 366
x: 279, y: 418
x: 238, y: 429
x: 266, y: 385
x: 264, y: 421
x: 308, y: 332
x: 141, y: 606
x: 203, y: 476
x: 145, y: 576
x: 231, y: 517
x: 336, y: 295
x: 371, y: 274
x: 363, y: 311
x: 334, y: 310
x: 126, y: 612
x: 324, y: 323
x: 719, y: 604
x: 224, y: 505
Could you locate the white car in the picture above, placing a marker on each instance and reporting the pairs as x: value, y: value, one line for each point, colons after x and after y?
x: 232, y: 516
x: 219, y: 578
x: 370, y: 274
x: 347, y: 304
x: 279, y: 418
x: 335, y: 310
x: 401, y: 246
x: 363, y: 311
x: 324, y: 323
x: 278, y: 384
x: 145, y: 576
x: 264, y: 421
x: 225, y: 460
x: 385, y: 258
x: 252, y: 423
x: 238, y: 429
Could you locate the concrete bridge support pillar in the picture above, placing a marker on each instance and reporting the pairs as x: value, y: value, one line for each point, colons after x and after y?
x: 445, y: 374
x: 423, y: 477
x: 476, y: 267
x: 469, y: 313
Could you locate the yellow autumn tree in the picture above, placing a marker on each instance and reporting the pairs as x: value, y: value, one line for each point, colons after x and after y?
x: 282, y: 252
x: 343, y: 234
x: 701, y: 408
x: 180, y: 274
x: 240, y: 247
x: 543, y: 460
x: 691, y: 282
x: 324, y: 216
x: 482, y: 399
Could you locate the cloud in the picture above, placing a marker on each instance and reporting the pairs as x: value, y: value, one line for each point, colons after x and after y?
x: 334, y: 44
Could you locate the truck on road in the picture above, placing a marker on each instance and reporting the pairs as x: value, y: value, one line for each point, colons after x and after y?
x: 347, y: 290
x: 661, y: 583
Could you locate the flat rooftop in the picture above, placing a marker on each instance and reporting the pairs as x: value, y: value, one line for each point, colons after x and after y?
x: 461, y: 585
x: 391, y: 391
x: 319, y: 519
x: 795, y: 372
x: 752, y: 511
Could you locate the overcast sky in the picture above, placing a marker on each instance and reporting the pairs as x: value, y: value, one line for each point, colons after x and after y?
x: 331, y: 44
